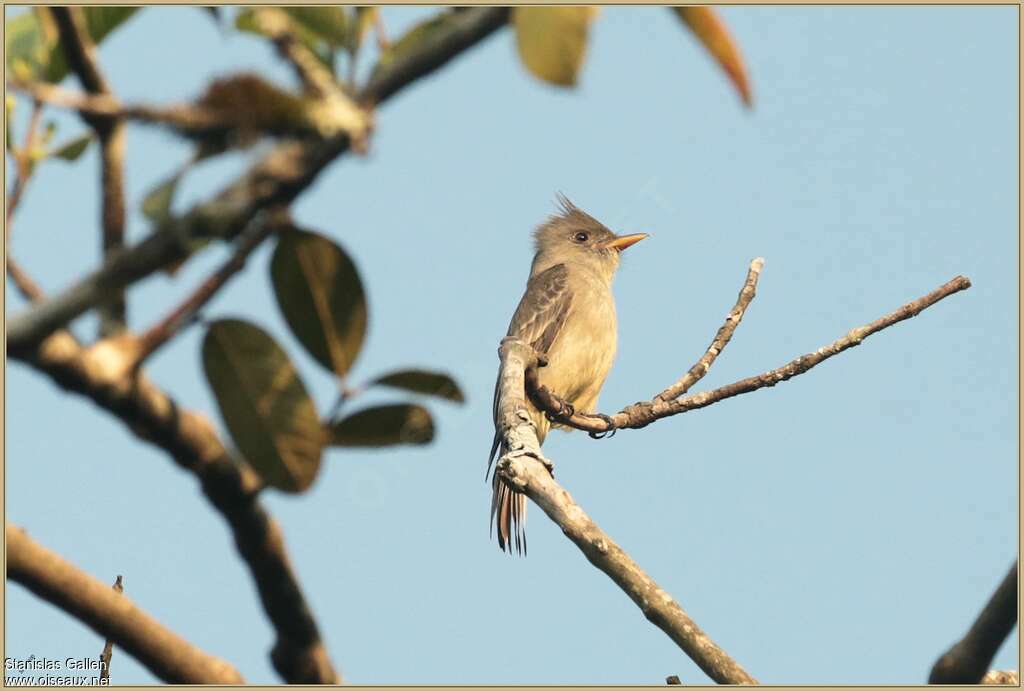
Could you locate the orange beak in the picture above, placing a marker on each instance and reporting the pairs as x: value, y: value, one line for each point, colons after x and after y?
x: 623, y: 241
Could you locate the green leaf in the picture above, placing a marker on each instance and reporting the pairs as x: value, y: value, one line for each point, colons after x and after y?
x: 414, y: 37
x: 26, y: 45
x: 255, y: 20
x: 100, y: 21
x: 364, y: 18
x: 321, y: 297
x: 73, y: 149
x: 328, y: 22
x: 264, y: 403
x: 156, y: 206
x: 385, y: 425
x: 424, y: 382
x: 9, y: 104
x: 552, y: 41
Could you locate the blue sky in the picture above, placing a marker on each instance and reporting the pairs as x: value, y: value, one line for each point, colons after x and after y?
x: 844, y: 527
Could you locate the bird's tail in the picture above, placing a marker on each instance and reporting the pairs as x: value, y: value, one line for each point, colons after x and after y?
x: 508, y: 509
x: 508, y: 514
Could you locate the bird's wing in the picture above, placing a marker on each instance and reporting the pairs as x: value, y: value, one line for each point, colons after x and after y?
x: 538, y: 319
x: 543, y: 309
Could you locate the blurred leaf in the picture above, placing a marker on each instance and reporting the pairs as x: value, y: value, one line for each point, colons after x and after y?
x: 364, y: 18
x: 384, y: 425
x: 422, y: 381
x: 26, y: 47
x: 264, y: 403
x: 321, y: 297
x: 74, y: 148
x: 215, y: 14
x: 552, y: 41
x: 254, y: 20
x: 711, y: 31
x: 156, y: 206
x: 415, y: 36
x: 100, y: 21
x: 9, y: 104
x: 328, y: 22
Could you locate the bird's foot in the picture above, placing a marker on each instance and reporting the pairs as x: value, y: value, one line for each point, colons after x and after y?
x: 610, y: 432
x: 565, y: 410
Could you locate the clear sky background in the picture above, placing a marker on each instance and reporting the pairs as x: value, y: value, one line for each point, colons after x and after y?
x: 846, y: 526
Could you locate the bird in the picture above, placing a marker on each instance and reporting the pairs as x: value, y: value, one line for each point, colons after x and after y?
x: 566, y: 314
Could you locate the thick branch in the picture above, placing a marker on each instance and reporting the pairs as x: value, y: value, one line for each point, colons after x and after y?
x: 277, y: 179
x: 111, y: 614
x: 526, y: 470
x: 102, y: 375
x: 969, y: 660
x: 644, y: 413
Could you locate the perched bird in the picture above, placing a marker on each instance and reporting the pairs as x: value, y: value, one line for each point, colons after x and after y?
x: 567, y: 314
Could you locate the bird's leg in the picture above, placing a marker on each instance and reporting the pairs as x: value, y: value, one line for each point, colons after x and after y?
x: 610, y: 432
x: 565, y: 408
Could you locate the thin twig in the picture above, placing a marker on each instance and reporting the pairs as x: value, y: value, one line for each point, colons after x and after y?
x: 969, y: 660
x: 644, y: 413
x: 277, y: 179
x: 721, y: 339
x: 184, y: 314
x: 525, y: 469
x: 81, y: 56
x: 112, y: 615
x: 23, y: 169
x: 108, y: 647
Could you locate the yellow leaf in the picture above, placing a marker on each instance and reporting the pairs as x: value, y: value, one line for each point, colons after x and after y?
x: 710, y: 30
x: 552, y: 41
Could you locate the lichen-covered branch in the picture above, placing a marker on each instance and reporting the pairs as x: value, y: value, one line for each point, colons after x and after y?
x: 103, y: 373
x: 526, y: 470
x: 968, y: 661
x: 110, y: 614
x: 276, y: 179
x: 644, y: 413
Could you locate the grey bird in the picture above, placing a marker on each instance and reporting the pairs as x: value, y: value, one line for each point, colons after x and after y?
x: 567, y: 314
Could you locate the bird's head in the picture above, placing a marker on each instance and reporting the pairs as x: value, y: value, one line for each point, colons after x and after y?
x: 574, y: 236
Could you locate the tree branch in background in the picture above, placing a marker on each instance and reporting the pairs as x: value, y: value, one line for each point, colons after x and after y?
x: 23, y: 168
x: 525, y: 469
x: 969, y: 660
x: 644, y: 413
x: 275, y: 180
x: 186, y: 312
x: 110, y: 614
x: 80, y: 54
x: 228, y: 482
x: 108, y: 647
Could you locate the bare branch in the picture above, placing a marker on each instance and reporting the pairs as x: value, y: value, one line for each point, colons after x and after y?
x: 185, y: 313
x: 111, y: 614
x: 969, y: 660
x: 644, y: 413
x: 526, y: 470
x: 721, y: 339
x: 275, y: 180
x: 80, y: 54
x: 108, y: 647
x: 100, y: 374
x: 29, y: 289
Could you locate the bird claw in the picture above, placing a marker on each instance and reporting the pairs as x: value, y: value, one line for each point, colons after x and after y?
x: 610, y: 432
x: 565, y: 410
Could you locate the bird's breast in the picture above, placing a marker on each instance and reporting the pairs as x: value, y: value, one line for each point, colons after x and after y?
x: 582, y: 354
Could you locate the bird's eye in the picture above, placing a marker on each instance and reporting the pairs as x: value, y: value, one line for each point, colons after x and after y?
x: 581, y: 236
